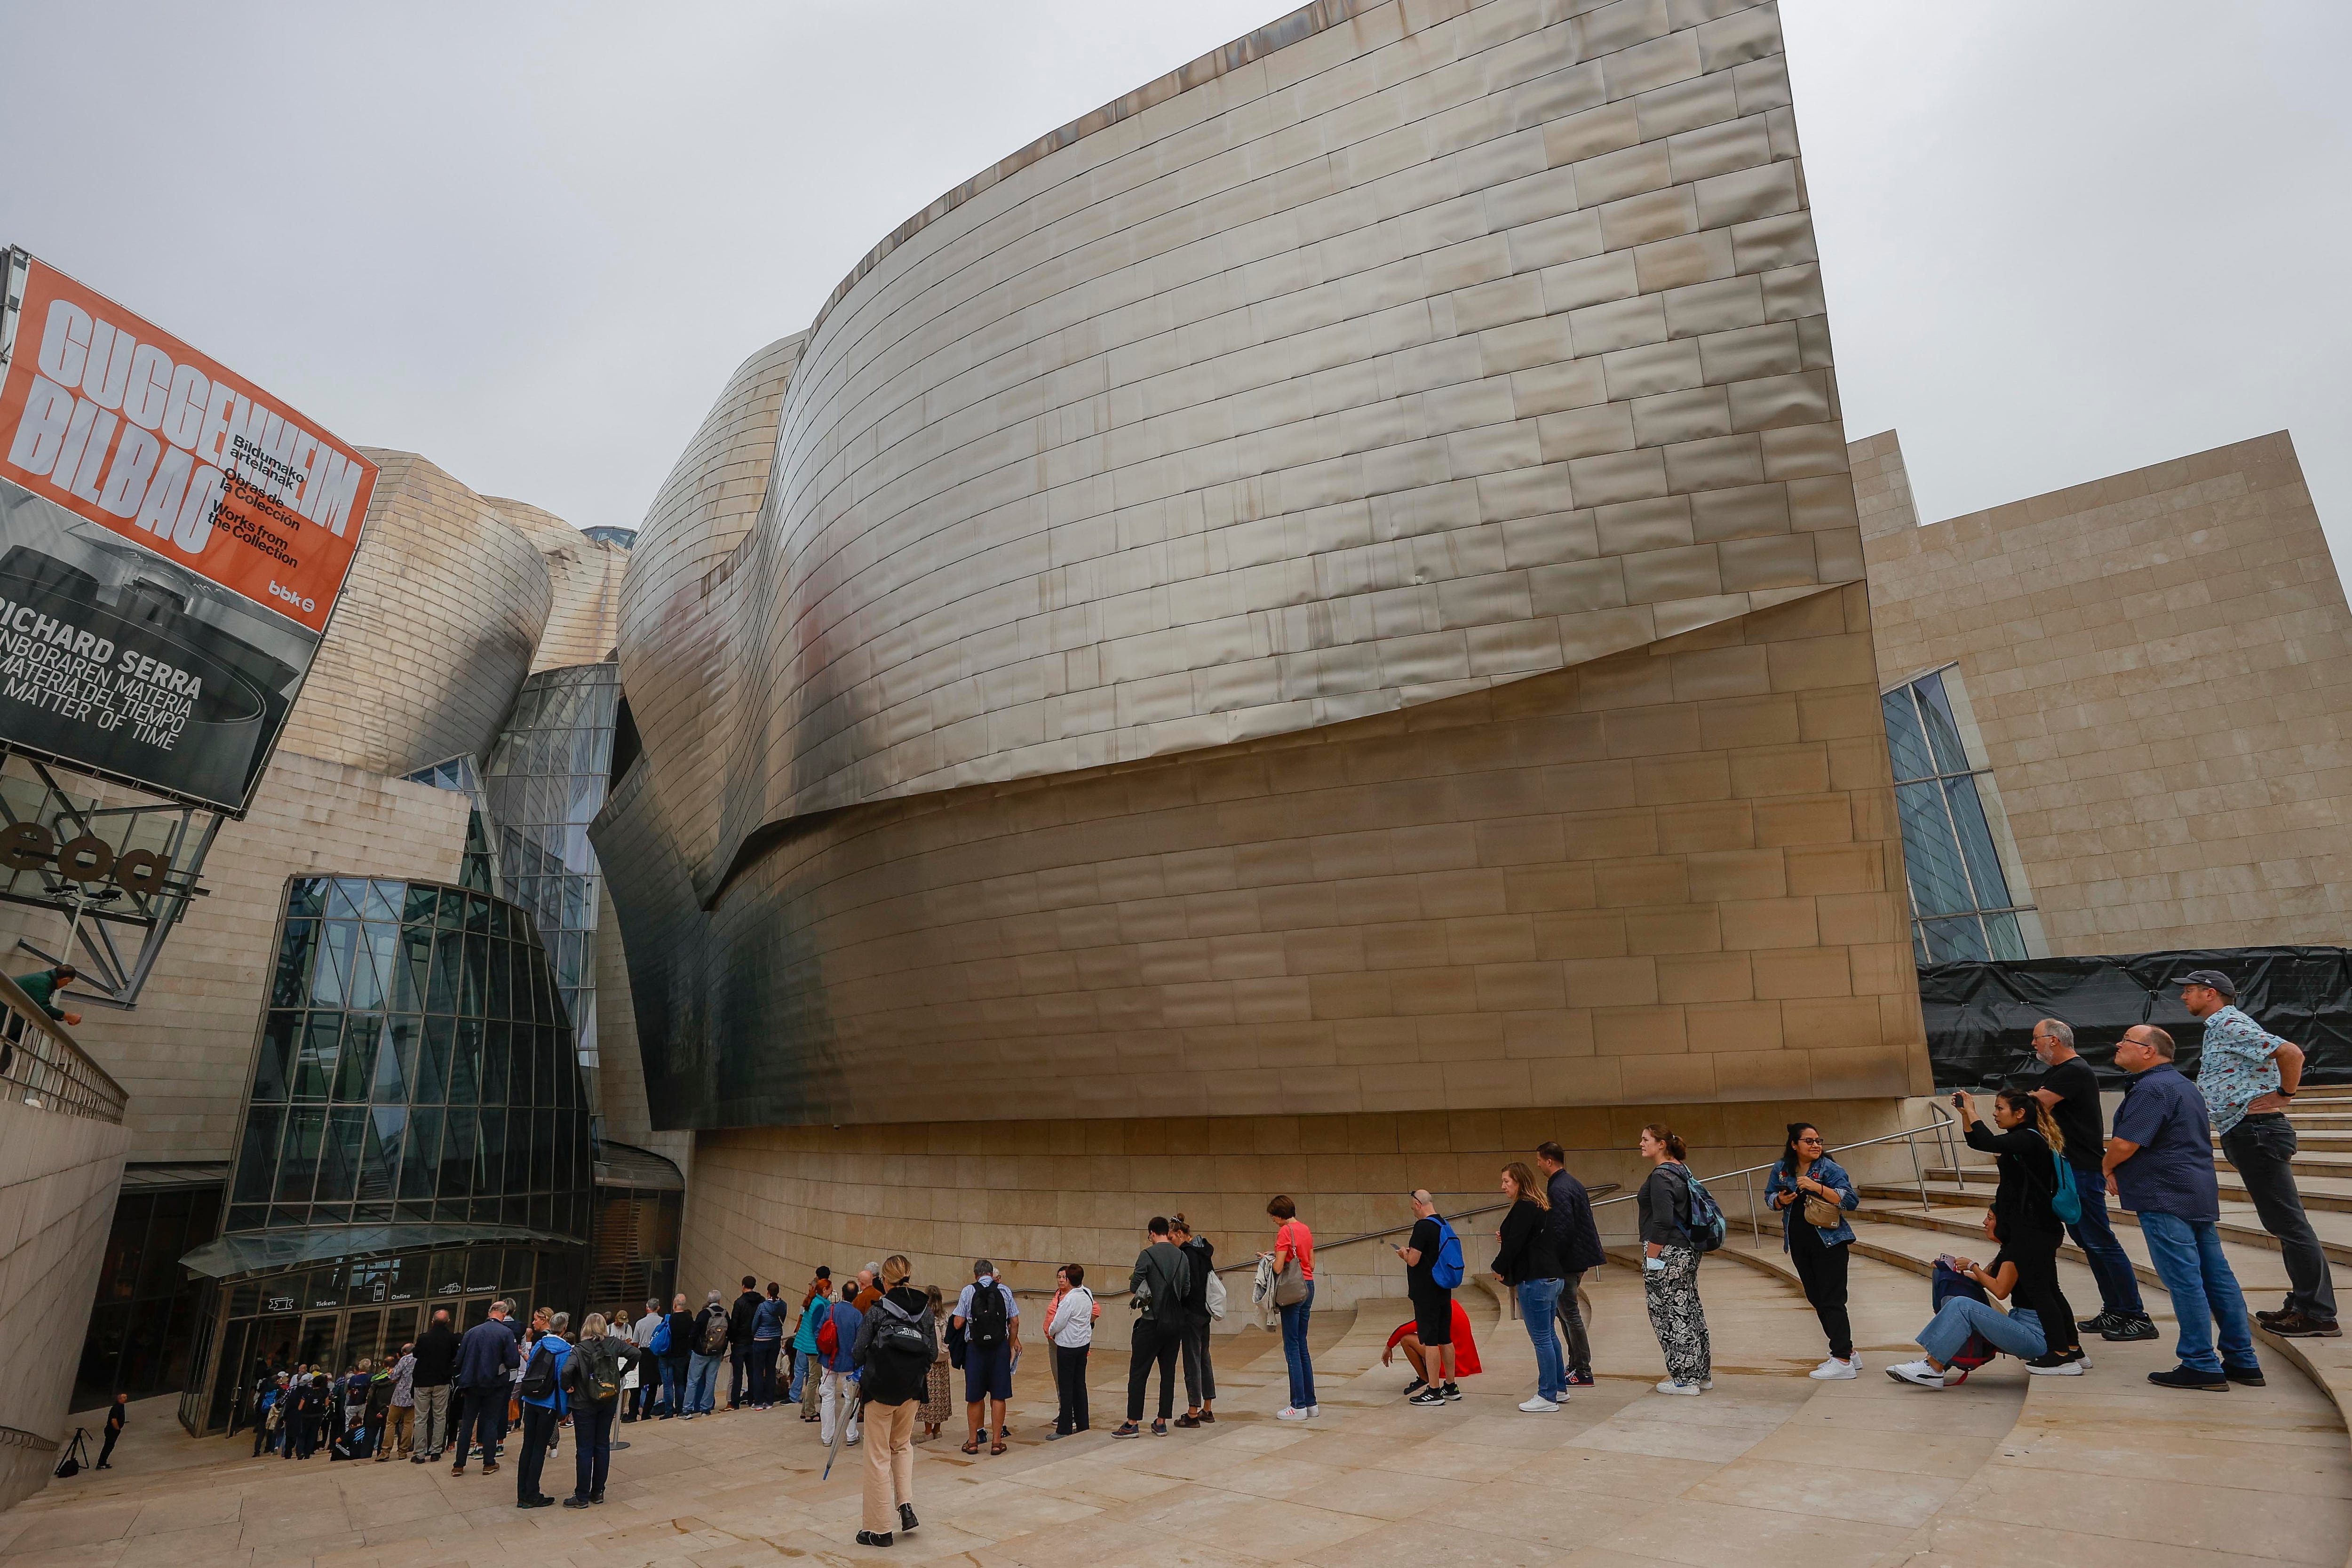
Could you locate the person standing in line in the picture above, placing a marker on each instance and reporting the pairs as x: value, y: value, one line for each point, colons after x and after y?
x: 1199, y: 1375
x: 1156, y: 1292
x: 2070, y: 1089
x: 869, y: 1286
x: 767, y: 1339
x: 676, y: 1359
x: 268, y: 1418
x: 400, y: 1415
x: 2029, y: 1150
x: 896, y: 1346
x: 741, y: 1322
x: 1432, y: 1304
x: 1526, y: 1261
x: 593, y: 1378
x: 437, y: 1367
x: 939, y: 1396
x: 989, y: 1320
x: 2160, y: 1164
x: 2248, y: 1077
x: 1670, y: 1264
x: 808, y: 1377
x: 1804, y: 1178
x: 1578, y: 1241
x: 487, y: 1358
x: 381, y: 1387
x: 1070, y: 1335
x: 706, y: 1348
x: 1294, y: 1243
x: 544, y: 1406
x: 118, y: 1415
x: 839, y: 1406
x: 309, y: 1410
x: 647, y: 1372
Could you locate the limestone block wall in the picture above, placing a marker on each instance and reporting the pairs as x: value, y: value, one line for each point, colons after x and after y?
x: 186, y: 1052
x: 584, y: 586
x: 777, y: 1202
x: 58, y: 1181
x: 2160, y: 665
x: 435, y: 630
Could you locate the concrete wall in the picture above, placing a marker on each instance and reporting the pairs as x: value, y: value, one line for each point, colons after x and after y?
x: 58, y: 1181
x: 2160, y: 664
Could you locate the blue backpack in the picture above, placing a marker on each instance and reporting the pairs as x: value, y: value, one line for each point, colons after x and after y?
x: 1445, y: 1271
x: 1707, y: 1228
x: 2064, y: 1200
x: 661, y: 1345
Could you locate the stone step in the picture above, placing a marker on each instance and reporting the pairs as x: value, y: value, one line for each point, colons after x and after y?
x: 2239, y: 1223
x: 2322, y: 1189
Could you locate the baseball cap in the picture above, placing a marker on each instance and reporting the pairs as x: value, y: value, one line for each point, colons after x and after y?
x: 2213, y: 977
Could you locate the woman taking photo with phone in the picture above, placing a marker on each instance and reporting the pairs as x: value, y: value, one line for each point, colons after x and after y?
x: 1670, y: 1265
x: 1809, y: 1188
x: 2027, y: 1148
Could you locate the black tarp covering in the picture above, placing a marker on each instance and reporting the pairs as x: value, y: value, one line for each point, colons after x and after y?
x: 1981, y: 1017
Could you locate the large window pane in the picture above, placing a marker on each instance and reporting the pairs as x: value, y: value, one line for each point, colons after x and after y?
x: 1905, y: 745
x: 1975, y: 844
x: 314, y: 1064
x: 256, y: 1163
x: 1939, y: 882
x: 1942, y: 730
x: 299, y: 1164
x: 1956, y: 938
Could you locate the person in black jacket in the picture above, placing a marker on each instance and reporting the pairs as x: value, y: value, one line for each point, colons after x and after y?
x: 2028, y: 1151
x: 1670, y: 1264
x: 1200, y: 1376
x: 891, y: 1381
x: 1529, y: 1262
x: 597, y: 1364
x: 437, y: 1364
x: 739, y: 1319
x: 1578, y: 1240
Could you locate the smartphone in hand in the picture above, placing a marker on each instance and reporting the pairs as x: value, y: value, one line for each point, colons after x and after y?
x: 1949, y: 1261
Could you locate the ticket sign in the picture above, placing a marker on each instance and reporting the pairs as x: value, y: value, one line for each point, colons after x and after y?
x: 172, y: 540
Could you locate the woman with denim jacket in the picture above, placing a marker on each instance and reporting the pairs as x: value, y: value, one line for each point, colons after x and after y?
x: 1818, y: 1251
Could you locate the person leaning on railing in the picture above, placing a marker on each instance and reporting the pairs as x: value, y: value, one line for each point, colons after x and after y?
x: 42, y: 986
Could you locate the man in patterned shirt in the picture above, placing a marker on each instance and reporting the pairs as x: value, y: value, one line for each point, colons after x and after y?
x: 2248, y: 1076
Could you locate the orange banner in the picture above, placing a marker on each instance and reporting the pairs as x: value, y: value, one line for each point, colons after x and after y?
x: 123, y: 424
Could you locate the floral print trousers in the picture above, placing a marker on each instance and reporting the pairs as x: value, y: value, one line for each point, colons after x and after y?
x: 1677, y: 1317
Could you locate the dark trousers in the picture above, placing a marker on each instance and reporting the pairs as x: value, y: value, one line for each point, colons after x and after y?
x: 2036, y: 1256
x: 303, y: 1439
x: 592, y: 1445
x: 2259, y: 1147
x: 1574, y: 1341
x: 1820, y: 1269
x: 481, y: 1418
x: 1199, y: 1375
x: 1070, y: 1378
x: 764, y: 1370
x: 106, y: 1451
x: 740, y: 1373
x: 262, y: 1436
x: 2110, y: 1266
x: 538, y: 1426
x: 1152, y: 1344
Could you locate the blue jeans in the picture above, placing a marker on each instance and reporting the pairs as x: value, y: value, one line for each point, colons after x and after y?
x: 1538, y: 1304
x: 673, y: 1373
x: 702, y: 1382
x: 1293, y: 1350
x: 801, y: 1362
x: 2188, y: 1258
x: 2017, y: 1332
x: 2118, y: 1286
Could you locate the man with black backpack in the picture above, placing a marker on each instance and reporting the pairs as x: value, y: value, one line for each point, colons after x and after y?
x: 707, y: 1347
x: 1433, y: 1268
x: 991, y: 1321
x: 893, y: 1354
x: 1162, y: 1278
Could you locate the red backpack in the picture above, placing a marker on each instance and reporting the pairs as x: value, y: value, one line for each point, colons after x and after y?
x: 828, y: 1339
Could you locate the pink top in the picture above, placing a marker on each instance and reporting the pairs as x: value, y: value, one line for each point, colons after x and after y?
x: 1293, y: 1236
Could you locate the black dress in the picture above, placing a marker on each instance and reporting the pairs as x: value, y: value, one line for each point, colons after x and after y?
x: 2028, y: 1227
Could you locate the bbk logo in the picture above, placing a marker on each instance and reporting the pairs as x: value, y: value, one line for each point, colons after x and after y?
x: 307, y: 606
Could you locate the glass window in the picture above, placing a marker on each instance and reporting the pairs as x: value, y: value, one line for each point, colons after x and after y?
x: 1961, y: 905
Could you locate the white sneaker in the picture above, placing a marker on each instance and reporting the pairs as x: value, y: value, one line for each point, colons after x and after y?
x: 1537, y: 1405
x: 1834, y: 1368
x: 1706, y: 1385
x: 1314, y: 1410
x: 1671, y: 1387
x: 1920, y: 1373
x: 1292, y: 1412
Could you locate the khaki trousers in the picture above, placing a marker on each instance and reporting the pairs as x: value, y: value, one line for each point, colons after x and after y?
x: 399, y: 1427
x: 889, y: 1462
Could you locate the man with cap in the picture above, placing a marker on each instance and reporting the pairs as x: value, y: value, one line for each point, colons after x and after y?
x: 2248, y: 1076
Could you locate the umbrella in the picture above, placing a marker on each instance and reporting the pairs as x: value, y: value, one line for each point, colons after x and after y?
x: 841, y: 1426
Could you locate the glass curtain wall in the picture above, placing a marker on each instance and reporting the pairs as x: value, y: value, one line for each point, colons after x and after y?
x: 1960, y: 901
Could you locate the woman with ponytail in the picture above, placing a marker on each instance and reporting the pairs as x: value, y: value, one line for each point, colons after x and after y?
x: 1670, y: 1265
x: 2027, y: 1148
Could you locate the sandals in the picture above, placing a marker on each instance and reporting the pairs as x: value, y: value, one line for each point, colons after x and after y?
x: 971, y: 1446
x: 998, y: 1446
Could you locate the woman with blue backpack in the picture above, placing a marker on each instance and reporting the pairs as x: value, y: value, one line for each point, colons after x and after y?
x: 1809, y: 1188
x: 2030, y: 1208
x: 1529, y: 1261
x: 1678, y: 1222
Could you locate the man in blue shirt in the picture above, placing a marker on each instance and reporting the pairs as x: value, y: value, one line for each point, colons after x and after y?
x: 2249, y: 1076
x: 2161, y: 1164
x: 486, y: 1357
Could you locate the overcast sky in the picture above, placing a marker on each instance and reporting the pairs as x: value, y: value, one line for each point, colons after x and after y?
x: 531, y: 241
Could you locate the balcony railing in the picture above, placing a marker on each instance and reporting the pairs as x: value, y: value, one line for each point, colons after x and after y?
x: 41, y: 1067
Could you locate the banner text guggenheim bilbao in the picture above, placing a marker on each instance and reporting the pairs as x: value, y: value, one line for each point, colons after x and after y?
x: 1331, y: 582
x: 172, y: 543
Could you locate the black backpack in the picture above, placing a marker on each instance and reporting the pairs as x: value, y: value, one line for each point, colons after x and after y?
x: 985, y: 1328
x: 539, y: 1378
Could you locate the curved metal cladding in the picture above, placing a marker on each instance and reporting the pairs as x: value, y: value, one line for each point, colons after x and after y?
x: 1307, y: 495
x: 585, y: 579
x: 434, y: 632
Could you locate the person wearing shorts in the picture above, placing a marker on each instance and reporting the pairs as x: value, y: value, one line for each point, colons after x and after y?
x: 987, y: 1366
x: 1433, y: 1305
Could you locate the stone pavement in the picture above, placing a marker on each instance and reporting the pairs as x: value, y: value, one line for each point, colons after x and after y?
x: 1771, y: 1469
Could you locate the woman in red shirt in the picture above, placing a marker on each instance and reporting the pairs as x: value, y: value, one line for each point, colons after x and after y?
x: 1293, y: 1240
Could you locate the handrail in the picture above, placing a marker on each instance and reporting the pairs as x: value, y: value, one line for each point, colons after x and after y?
x: 42, y: 1067
x: 1942, y: 1127
x: 1323, y: 1247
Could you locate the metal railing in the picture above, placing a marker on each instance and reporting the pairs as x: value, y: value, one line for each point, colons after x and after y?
x: 41, y: 1067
